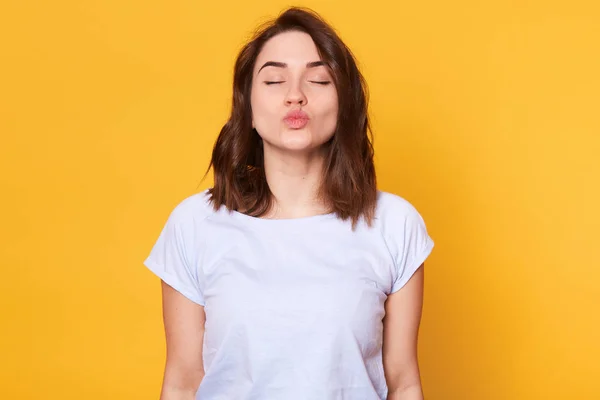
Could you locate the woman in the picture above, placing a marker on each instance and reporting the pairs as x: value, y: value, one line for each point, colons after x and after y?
x: 276, y: 281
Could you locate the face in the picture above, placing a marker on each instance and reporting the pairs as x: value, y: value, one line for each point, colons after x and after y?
x: 294, y: 100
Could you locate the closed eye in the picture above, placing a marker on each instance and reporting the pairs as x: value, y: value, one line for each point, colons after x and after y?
x: 317, y: 82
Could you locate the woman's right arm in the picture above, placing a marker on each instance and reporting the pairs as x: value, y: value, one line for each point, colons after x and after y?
x: 184, y: 332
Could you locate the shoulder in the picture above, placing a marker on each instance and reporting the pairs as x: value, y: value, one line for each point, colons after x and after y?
x: 192, y: 209
x: 398, y: 220
x: 405, y: 236
x: 393, y: 209
x: 403, y: 229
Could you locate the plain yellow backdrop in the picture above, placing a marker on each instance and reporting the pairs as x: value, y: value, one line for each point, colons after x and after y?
x: 486, y: 117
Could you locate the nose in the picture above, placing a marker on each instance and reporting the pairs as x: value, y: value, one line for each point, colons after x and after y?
x: 295, y: 96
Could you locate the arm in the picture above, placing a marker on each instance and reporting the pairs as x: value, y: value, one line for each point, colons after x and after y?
x: 184, y: 332
x: 400, y: 332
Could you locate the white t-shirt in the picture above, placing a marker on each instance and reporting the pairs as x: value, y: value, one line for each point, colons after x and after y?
x: 293, y: 307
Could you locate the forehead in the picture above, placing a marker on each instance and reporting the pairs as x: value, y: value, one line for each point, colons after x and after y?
x: 292, y: 48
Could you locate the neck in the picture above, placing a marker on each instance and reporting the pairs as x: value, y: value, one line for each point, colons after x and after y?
x: 294, y: 179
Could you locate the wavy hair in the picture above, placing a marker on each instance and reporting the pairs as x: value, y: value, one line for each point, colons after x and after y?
x: 348, y: 185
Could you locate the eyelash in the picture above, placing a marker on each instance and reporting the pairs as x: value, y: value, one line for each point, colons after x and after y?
x: 317, y: 82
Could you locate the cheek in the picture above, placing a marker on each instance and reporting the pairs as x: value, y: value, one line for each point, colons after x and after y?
x: 328, y: 102
x: 330, y: 112
x: 262, y: 104
x: 256, y: 105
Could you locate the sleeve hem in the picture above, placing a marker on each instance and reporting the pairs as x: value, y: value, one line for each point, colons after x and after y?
x: 173, y: 281
x: 414, y: 267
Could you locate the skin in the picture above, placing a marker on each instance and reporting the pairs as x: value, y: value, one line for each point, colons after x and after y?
x: 293, y: 164
x: 184, y: 333
x: 403, y: 311
x: 293, y: 157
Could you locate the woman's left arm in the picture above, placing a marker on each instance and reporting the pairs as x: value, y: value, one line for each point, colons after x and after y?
x: 400, y: 332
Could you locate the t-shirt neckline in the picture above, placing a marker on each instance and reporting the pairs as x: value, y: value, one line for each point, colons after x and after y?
x: 280, y: 221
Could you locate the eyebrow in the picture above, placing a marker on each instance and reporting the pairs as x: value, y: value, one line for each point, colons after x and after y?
x: 278, y: 64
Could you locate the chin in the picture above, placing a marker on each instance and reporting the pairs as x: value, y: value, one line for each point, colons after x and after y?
x: 297, y: 141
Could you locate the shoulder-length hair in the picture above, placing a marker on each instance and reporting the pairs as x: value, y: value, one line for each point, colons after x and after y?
x: 348, y: 185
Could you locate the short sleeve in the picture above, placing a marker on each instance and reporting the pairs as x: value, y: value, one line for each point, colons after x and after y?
x: 172, y: 256
x: 412, y: 246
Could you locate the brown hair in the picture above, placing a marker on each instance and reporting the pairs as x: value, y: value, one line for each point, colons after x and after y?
x: 348, y: 185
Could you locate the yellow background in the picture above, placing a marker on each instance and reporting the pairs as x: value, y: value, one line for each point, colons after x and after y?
x: 486, y: 115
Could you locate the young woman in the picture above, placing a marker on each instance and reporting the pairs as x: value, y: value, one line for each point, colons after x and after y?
x: 293, y: 277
